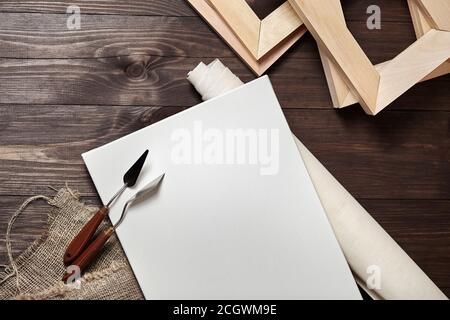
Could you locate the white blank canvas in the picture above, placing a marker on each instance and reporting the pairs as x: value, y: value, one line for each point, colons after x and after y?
x: 220, y: 231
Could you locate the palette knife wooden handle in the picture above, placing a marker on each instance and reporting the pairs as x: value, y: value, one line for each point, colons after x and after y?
x: 91, y: 252
x: 81, y: 240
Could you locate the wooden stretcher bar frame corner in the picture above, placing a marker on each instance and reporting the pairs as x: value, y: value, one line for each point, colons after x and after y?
x: 351, y: 76
x: 258, y: 66
x: 258, y: 36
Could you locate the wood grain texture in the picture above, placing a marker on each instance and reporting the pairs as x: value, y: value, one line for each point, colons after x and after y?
x: 260, y: 66
x: 54, y: 147
x: 437, y: 12
x: 355, y: 9
x: 342, y: 96
x: 122, y: 7
x: 63, y: 93
x: 106, y: 82
x: 357, y: 79
x: 333, y: 36
x: 46, y: 36
x: 412, y: 66
x: 276, y: 27
x: 425, y: 237
x: 243, y: 20
x: 422, y: 24
x: 259, y: 36
x: 41, y: 146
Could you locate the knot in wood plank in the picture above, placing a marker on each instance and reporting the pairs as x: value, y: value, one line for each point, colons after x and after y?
x: 136, y: 71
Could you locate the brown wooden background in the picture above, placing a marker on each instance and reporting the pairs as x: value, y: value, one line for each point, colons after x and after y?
x: 65, y: 92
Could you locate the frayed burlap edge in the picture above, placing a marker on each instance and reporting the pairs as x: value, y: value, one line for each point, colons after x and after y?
x: 111, y: 278
x: 11, y: 270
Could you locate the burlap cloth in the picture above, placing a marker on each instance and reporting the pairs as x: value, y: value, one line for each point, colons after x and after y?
x: 36, y: 273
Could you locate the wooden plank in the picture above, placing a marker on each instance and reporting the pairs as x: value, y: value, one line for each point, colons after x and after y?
x: 355, y: 9
x: 391, y: 10
x: 440, y: 71
x: 421, y: 23
x: 122, y: 7
x: 259, y: 37
x: 341, y: 94
x: 298, y: 83
x: 341, y: 47
x: 421, y: 228
x: 412, y: 65
x: 160, y: 81
x: 380, y: 85
x: 276, y: 27
x: 380, y: 159
x: 258, y: 66
x: 384, y: 44
x: 336, y: 83
x: 438, y: 12
x: 41, y: 146
x: 242, y: 20
x: 46, y: 36
x: 21, y: 39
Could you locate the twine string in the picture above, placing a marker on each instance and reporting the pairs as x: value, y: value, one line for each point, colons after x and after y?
x: 12, y: 220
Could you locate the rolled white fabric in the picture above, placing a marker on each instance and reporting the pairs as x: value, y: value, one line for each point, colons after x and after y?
x: 376, y: 260
x: 212, y: 80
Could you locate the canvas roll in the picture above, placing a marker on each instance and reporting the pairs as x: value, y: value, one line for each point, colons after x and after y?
x: 379, y: 264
